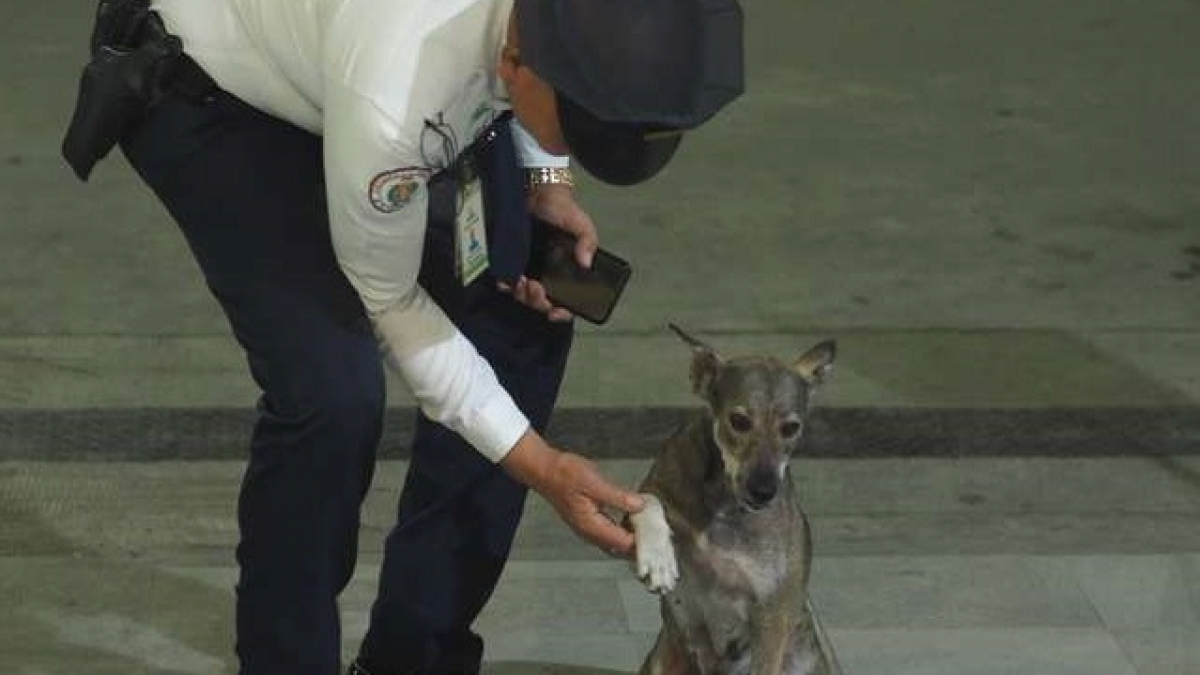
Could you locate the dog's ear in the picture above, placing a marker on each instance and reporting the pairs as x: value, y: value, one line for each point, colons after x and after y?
x: 705, y: 362
x: 817, y: 363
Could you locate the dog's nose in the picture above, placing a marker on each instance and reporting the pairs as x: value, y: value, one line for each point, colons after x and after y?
x: 762, y: 489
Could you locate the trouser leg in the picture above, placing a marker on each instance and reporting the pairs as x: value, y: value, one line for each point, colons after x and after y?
x: 458, y: 512
x: 248, y: 192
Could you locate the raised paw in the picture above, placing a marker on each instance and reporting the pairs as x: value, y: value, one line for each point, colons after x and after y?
x: 656, y: 565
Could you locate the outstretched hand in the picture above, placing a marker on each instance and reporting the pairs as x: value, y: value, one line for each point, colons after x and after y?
x: 580, y: 494
x: 577, y: 491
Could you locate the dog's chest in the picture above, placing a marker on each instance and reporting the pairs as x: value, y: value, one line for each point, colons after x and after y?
x: 715, y: 623
x: 725, y: 571
x: 741, y: 560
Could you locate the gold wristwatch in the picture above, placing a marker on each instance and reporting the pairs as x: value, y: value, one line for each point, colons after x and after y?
x: 548, y: 175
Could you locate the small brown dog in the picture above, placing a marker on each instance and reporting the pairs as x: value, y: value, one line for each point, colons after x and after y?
x: 722, y: 537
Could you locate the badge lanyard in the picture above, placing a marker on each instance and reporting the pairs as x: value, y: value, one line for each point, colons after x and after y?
x: 470, y: 229
x: 470, y: 234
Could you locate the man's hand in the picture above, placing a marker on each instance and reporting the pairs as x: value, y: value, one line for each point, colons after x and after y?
x: 576, y: 490
x: 579, y: 493
x: 532, y: 294
x: 556, y: 205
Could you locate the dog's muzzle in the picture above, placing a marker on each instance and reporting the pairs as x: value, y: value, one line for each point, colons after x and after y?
x: 761, y: 487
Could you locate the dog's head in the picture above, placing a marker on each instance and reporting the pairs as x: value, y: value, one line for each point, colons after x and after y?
x: 759, y: 408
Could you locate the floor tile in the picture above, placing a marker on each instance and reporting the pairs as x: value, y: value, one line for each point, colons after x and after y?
x: 544, y: 668
x: 570, y: 606
x: 641, y: 607
x: 1040, y: 651
x: 622, y: 652
x: 1164, y: 650
x: 947, y: 592
x: 1132, y: 592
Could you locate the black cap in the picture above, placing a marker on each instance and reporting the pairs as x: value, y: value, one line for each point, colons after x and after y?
x: 631, y: 74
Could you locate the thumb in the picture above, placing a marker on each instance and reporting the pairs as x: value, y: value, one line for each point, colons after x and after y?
x: 587, y: 240
x: 585, y: 250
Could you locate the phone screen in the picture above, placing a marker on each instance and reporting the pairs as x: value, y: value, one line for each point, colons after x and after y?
x: 588, y: 293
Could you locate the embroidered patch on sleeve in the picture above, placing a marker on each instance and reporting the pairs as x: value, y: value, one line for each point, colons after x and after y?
x: 391, y: 191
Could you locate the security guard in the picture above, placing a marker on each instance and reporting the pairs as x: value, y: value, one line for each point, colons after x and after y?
x: 303, y: 147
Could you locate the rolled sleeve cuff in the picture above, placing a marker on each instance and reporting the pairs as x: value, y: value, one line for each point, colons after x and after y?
x: 452, y: 383
x: 496, y: 427
x: 530, y: 152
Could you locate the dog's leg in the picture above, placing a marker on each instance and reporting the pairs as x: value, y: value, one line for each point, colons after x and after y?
x: 666, y: 658
x: 656, y: 565
x: 807, y: 654
x: 769, y: 633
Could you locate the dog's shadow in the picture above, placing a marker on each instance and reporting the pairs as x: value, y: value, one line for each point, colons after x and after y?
x: 532, y: 668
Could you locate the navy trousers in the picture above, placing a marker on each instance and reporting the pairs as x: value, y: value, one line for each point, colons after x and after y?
x: 247, y: 190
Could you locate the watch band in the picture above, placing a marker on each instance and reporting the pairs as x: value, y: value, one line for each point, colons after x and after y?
x: 548, y: 175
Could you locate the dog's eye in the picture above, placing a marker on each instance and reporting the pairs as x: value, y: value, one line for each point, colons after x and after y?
x: 789, y: 429
x: 740, y: 422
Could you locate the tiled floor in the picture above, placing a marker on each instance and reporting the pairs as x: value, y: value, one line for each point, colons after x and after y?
x: 126, y: 568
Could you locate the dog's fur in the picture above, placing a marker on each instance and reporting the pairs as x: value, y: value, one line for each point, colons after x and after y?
x: 722, y: 537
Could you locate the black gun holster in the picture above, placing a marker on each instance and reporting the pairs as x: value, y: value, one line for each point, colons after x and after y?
x: 134, y: 62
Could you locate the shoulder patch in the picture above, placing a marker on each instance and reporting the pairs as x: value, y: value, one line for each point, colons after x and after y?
x: 391, y: 190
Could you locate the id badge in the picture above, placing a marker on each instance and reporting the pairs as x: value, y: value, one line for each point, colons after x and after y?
x: 470, y: 232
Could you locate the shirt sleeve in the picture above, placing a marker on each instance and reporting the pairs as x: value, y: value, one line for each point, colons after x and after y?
x: 530, y: 152
x: 376, y: 189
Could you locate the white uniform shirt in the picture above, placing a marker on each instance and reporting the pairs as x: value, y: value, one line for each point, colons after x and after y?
x: 367, y: 75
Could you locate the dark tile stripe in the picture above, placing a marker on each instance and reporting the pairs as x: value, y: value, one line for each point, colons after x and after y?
x: 150, y: 434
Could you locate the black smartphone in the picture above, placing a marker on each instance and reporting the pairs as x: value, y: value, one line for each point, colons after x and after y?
x: 588, y: 293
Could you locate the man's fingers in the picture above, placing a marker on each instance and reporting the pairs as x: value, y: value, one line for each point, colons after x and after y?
x: 610, y: 495
x: 607, y: 535
x: 532, y: 294
x: 537, y: 296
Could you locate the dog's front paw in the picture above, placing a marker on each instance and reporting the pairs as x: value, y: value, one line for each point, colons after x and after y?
x: 656, y: 565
